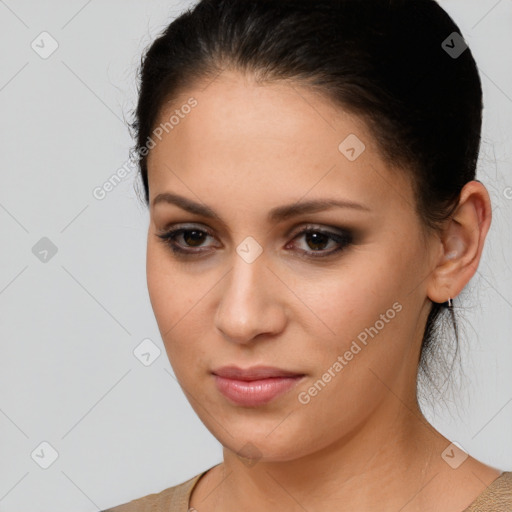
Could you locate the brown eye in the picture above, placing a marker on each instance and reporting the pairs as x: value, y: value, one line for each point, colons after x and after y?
x: 194, y: 237
x: 317, y: 240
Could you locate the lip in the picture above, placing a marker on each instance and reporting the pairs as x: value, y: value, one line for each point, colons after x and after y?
x: 253, y: 373
x: 254, y: 386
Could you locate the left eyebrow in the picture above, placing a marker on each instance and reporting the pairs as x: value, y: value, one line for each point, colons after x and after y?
x: 315, y: 205
x: 277, y: 214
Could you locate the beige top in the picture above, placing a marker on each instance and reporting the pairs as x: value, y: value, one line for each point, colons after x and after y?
x: 495, y: 498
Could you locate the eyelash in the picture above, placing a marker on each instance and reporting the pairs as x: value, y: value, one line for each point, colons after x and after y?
x: 344, y: 239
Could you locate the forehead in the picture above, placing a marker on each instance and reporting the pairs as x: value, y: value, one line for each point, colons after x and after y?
x: 242, y: 136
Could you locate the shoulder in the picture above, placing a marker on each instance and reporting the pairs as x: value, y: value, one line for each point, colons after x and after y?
x: 173, y: 498
x: 497, y: 497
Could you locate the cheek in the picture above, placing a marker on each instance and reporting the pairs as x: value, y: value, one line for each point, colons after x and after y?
x: 168, y: 292
x: 358, y: 311
x: 161, y: 286
x: 345, y: 300
x: 367, y: 342
x: 178, y: 300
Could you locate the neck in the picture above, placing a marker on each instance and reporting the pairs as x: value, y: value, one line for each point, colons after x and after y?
x: 381, y: 465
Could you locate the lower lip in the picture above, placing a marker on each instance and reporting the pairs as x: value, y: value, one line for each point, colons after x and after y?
x: 255, y: 392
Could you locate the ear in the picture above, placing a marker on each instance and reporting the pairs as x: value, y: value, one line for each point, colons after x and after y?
x: 462, y: 241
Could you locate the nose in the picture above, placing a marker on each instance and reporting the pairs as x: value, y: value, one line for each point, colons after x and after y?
x: 251, y: 302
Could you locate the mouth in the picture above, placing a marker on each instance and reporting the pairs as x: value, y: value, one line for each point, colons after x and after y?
x: 254, y: 386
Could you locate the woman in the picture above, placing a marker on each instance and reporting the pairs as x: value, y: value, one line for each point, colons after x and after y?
x: 309, y: 168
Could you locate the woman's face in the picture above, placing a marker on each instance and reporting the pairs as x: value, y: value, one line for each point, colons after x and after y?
x: 346, y: 309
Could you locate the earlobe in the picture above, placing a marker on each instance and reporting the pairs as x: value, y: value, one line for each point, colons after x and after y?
x: 462, y: 243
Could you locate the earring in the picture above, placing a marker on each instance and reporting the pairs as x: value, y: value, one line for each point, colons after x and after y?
x: 450, y: 303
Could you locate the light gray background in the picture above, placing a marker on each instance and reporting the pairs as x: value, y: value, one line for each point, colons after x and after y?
x: 69, y: 326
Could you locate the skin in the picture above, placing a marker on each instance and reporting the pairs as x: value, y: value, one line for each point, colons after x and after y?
x: 361, y: 443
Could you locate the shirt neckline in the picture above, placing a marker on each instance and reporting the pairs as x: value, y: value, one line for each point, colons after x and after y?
x: 480, y: 497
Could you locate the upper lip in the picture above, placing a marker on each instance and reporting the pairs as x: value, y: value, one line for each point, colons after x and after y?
x: 253, y: 373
